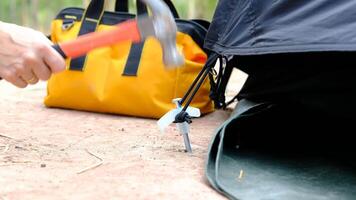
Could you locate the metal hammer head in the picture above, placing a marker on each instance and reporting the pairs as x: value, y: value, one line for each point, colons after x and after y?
x: 165, y: 30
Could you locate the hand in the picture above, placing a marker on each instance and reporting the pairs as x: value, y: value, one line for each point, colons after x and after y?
x: 26, y: 56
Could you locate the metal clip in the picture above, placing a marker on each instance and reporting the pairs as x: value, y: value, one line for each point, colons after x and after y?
x: 184, y: 128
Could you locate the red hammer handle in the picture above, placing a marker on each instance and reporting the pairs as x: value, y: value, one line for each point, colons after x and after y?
x: 126, y: 31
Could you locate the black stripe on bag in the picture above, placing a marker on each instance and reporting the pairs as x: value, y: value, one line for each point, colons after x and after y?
x: 77, y: 64
x: 141, y: 8
x: 89, y: 23
x: 172, y: 8
x: 122, y: 6
x: 134, y: 58
x: 133, y: 61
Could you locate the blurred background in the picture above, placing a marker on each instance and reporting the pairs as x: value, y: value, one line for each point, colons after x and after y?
x: 38, y: 14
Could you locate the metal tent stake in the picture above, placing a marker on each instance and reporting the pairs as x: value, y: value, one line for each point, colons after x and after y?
x: 184, y: 129
x: 188, y: 147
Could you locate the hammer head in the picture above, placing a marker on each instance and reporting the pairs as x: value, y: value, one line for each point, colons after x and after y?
x: 165, y: 30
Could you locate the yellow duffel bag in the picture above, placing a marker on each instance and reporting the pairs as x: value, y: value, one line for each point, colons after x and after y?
x: 125, y: 78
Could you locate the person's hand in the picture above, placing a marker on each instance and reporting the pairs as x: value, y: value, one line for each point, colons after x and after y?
x: 26, y: 56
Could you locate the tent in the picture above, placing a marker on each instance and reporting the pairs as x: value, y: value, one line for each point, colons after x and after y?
x: 290, y: 136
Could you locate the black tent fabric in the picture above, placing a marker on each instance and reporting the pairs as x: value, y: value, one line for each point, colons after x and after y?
x: 250, y: 27
x: 250, y: 159
x: 291, y: 135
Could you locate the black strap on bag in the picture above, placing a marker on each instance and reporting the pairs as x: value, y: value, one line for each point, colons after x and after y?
x: 134, y: 58
x: 123, y: 6
x: 90, y: 21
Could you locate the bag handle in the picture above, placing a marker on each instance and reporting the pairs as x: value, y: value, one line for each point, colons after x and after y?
x: 123, y: 6
x: 90, y: 21
x: 96, y: 8
x: 134, y: 58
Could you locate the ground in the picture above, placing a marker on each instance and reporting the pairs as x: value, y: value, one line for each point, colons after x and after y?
x: 64, y: 154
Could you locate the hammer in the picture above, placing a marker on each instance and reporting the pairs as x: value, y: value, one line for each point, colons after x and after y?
x: 160, y: 25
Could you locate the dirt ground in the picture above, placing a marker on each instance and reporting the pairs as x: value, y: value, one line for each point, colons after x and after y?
x: 64, y: 154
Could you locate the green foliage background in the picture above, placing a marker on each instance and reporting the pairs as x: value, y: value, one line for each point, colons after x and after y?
x: 38, y: 14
